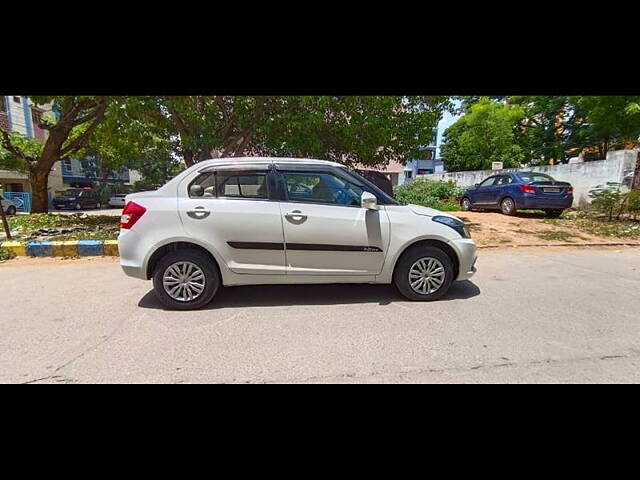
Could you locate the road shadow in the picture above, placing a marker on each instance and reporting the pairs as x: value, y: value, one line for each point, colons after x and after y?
x: 333, y: 294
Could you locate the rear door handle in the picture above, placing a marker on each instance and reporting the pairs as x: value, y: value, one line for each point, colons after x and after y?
x: 198, y: 213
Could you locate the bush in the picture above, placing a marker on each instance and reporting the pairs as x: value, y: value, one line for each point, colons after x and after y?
x: 6, y: 254
x: 430, y: 193
x: 610, y: 200
x: 633, y: 203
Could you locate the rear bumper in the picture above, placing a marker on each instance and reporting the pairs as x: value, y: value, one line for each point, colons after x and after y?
x: 544, y: 202
x: 467, y: 256
x: 131, y: 257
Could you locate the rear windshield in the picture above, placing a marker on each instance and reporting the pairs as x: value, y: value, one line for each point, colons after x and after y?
x: 536, y: 177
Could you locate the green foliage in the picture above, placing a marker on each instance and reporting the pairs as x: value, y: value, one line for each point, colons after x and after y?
x: 484, y: 135
x: 356, y: 129
x: 6, y: 254
x: 430, y: 193
x: 633, y: 203
x: 30, y: 146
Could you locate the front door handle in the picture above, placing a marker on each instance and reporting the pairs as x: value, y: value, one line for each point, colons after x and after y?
x: 198, y: 213
x: 296, y: 215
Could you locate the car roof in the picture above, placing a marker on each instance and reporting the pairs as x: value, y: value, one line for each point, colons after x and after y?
x: 239, y: 161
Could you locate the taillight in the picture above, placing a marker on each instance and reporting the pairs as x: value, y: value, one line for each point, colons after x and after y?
x: 569, y: 189
x: 131, y: 214
x: 528, y: 188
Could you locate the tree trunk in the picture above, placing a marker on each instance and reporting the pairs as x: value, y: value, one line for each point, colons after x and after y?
x: 5, y: 224
x: 40, y: 199
x: 635, y: 184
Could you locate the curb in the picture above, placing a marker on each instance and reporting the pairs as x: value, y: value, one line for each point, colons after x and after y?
x: 607, y: 244
x: 77, y: 248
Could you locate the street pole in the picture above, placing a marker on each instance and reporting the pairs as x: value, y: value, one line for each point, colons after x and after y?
x: 7, y: 230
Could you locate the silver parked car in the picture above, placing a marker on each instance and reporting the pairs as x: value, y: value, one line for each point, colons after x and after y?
x: 8, y: 206
x: 117, y: 200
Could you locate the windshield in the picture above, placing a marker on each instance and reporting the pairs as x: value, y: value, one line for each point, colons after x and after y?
x: 386, y: 199
x: 536, y: 177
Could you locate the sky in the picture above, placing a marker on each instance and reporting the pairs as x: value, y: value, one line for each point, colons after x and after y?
x: 446, y: 122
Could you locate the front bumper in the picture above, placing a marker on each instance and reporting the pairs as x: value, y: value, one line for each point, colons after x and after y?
x: 465, y: 248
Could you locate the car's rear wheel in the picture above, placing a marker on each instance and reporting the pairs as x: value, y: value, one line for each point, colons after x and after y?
x: 424, y: 273
x: 465, y: 204
x: 508, y: 206
x: 78, y: 206
x: 11, y: 210
x: 98, y: 206
x: 185, y: 280
x: 554, y: 213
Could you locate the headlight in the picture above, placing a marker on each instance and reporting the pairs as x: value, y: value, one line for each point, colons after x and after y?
x: 454, y: 223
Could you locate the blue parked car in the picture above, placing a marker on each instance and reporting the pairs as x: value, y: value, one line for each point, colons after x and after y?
x: 511, y: 191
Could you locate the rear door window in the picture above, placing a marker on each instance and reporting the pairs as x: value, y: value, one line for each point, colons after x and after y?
x: 233, y: 184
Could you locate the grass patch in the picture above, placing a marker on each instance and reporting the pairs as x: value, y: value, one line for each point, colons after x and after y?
x: 557, y: 235
x: 93, y: 227
x: 599, y: 226
x: 101, y: 234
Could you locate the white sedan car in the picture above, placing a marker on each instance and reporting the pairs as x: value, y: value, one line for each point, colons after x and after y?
x: 255, y: 221
x: 118, y: 200
x: 8, y: 206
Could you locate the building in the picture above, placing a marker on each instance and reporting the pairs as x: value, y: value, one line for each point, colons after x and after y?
x: 19, y: 114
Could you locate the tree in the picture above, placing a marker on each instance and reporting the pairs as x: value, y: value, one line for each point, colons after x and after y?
x: 546, y: 130
x: 606, y: 122
x: 488, y: 133
x: 371, y: 130
x: 76, y: 120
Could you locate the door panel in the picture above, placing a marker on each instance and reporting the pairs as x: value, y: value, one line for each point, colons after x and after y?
x: 325, y: 239
x: 486, y: 192
x: 247, y: 233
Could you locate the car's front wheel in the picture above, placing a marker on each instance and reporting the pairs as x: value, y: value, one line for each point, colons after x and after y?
x: 424, y: 273
x: 185, y: 280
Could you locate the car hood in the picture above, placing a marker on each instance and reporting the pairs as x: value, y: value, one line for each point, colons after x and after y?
x: 428, y: 212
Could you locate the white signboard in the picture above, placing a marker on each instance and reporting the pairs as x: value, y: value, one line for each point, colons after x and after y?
x: 496, y: 166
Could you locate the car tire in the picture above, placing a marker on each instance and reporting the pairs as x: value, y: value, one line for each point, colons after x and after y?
x: 78, y: 206
x: 180, y: 261
x: 508, y: 206
x: 465, y: 204
x: 11, y: 210
x: 409, y: 269
x: 554, y: 213
x: 98, y: 206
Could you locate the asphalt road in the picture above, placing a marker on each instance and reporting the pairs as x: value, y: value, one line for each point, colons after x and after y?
x: 529, y: 315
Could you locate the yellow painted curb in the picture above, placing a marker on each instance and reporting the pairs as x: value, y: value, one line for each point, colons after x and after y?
x: 64, y: 249
x: 18, y: 249
x: 111, y: 248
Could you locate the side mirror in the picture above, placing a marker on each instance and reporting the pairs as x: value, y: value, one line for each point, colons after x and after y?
x: 196, y: 191
x: 369, y: 201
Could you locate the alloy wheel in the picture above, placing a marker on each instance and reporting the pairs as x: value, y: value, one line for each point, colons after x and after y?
x: 184, y: 281
x: 426, y: 275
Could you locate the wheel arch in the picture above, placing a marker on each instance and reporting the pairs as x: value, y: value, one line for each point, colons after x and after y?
x: 431, y: 242
x: 173, y: 246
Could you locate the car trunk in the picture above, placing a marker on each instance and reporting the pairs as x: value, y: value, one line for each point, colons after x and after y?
x: 551, y: 188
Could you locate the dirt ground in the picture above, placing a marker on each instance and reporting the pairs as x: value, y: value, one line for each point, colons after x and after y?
x: 524, y: 228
